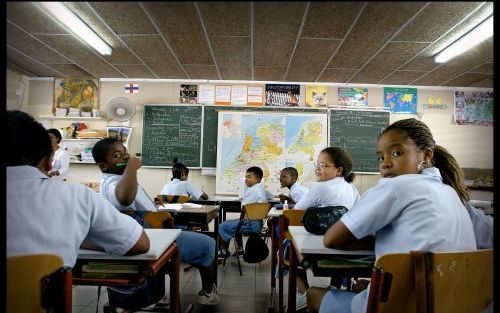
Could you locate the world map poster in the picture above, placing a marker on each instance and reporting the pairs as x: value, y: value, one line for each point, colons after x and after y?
x: 271, y: 141
x: 400, y: 100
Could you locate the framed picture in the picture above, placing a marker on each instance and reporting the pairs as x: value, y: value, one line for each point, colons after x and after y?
x: 76, y: 94
x: 121, y: 133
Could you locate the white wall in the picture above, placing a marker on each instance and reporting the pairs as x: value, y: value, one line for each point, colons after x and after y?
x: 471, y: 145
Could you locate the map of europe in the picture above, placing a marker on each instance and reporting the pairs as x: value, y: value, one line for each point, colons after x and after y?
x: 270, y: 141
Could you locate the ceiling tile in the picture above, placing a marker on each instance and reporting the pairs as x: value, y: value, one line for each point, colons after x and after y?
x: 13, y: 67
x: 420, y: 63
x: 226, y: 18
x: 32, y: 19
x: 235, y: 72
x: 83, y: 56
x: 156, y: 55
x: 269, y: 73
x: 470, y: 59
x: 70, y: 70
x: 378, y: 22
x: 24, y: 62
x: 402, y: 77
x: 124, y: 17
x: 202, y: 71
x: 435, y: 20
x: 135, y: 70
x: 486, y: 68
x: 310, y: 58
x: 486, y: 83
x: 276, y: 25
x: 320, y: 24
x: 32, y: 47
x: 180, y: 25
x: 336, y: 75
x: 232, y: 51
x: 469, y: 79
x: 388, y: 60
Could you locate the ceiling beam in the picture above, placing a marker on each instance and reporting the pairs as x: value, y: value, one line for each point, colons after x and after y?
x: 304, y: 17
x: 200, y: 17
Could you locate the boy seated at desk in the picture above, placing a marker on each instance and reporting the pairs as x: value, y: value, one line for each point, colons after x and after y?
x: 254, y: 194
x: 52, y: 216
x: 288, y: 179
x: 179, y: 186
x: 119, y: 185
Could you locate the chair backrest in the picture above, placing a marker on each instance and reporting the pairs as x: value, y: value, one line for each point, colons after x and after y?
x: 39, y: 282
x: 392, y: 287
x: 159, y: 220
x: 172, y: 199
x: 256, y: 211
x: 459, y: 281
x: 292, y: 218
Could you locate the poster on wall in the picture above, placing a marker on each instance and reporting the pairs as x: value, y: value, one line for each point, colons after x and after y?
x: 189, y: 94
x: 223, y: 95
x: 76, y: 94
x: 474, y: 108
x: 255, y: 96
x: 121, y: 133
x: 352, y: 96
x: 400, y: 100
x: 239, y: 95
x: 316, y: 95
x: 206, y: 94
x: 282, y: 95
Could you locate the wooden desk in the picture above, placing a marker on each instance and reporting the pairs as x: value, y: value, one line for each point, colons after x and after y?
x: 275, y: 216
x: 309, y: 246
x: 163, y: 256
x: 226, y: 204
x: 203, y: 215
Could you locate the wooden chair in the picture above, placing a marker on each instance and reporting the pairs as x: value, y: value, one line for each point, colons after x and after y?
x: 159, y: 220
x: 38, y: 283
x: 426, y: 282
x: 160, y: 199
x: 253, y: 212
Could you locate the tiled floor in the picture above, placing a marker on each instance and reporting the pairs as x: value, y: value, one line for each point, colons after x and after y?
x: 247, y: 293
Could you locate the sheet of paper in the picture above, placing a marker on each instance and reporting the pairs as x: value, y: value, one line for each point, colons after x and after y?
x: 172, y: 206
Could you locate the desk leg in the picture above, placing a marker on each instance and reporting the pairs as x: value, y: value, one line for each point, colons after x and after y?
x: 280, y: 262
x: 175, y: 303
x: 292, y: 278
x: 217, y: 245
x: 273, y: 260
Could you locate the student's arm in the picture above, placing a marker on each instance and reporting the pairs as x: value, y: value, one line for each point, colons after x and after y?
x: 338, y: 236
x: 141, y: 246
x: 126, y: 189
x: 204, y: 196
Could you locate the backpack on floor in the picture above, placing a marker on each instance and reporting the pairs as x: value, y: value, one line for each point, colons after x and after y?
x: 137, y: 297
x: 256, y: 249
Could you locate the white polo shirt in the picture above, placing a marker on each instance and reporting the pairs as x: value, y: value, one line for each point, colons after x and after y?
x: 256, y: 194
x: 142, y: 201
x: 52, y: 216
x: 176, y: 187
x: 329, y: 193
x: 297, y: 191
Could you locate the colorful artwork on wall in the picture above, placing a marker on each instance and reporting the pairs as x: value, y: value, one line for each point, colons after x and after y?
x: 474, y: 108
x: 76, y: 93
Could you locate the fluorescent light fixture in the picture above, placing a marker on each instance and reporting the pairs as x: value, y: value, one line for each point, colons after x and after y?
x: 66, y: 16
x: 479, y: 34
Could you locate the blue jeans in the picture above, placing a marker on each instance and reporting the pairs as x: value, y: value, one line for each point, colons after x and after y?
x: 228, y: 228
x: 338, y: 301
x: 196, y: 248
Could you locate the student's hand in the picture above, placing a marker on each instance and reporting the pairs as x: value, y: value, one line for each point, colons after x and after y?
x: 283, y: 198
x: 133, y: 163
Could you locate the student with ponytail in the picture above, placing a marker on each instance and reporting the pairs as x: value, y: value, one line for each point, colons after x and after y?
x: 416, y: 205
x: 179, y: 186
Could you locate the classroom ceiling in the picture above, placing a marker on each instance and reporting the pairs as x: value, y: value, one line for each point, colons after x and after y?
x: 335, y: 42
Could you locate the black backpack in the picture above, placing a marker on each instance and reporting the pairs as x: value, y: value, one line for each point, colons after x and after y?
x: 256, y: 249
x: 318, y: 220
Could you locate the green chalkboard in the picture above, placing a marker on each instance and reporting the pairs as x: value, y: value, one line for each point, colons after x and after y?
x: 357, y: 131
x: 210, y: 122
x: 170, y: 131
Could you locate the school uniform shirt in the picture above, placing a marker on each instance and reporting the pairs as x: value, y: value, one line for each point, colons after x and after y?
x: 410, y: 212
x: 256, y: 194
x: 60, y: 163
x: 176, y: 187
x: 332, y: 192
x: 142, y: 201
x: 297, y: 191
x: 483, y: 227
x: 51, y: 216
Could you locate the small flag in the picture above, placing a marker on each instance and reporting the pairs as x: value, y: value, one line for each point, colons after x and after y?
x: 131, y: 88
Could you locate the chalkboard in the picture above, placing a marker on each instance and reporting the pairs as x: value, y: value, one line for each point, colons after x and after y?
x: 357, y: 131
x: 170, y: 131
x: 210, y: 122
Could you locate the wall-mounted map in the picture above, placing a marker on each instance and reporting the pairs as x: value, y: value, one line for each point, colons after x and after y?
x: 271, y: 141
x: 400, y: 100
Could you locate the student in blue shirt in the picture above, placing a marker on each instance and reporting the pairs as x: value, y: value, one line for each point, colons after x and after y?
x: 254, y: 194
x: 179, y: 186
x: 416, y: 205
x: 119, y: 185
